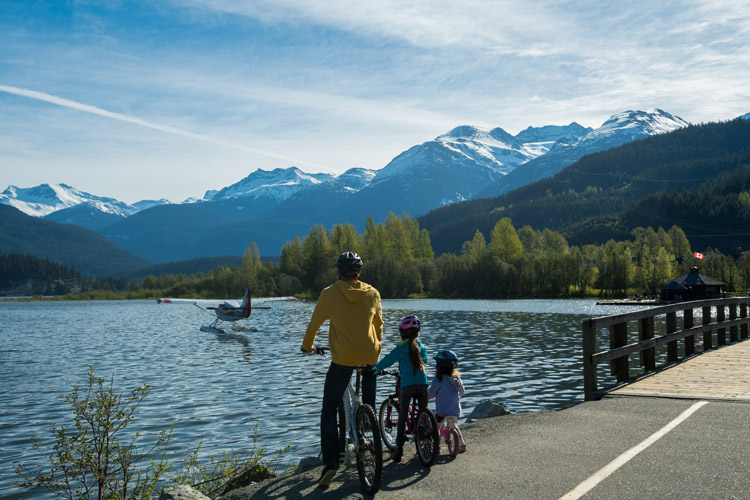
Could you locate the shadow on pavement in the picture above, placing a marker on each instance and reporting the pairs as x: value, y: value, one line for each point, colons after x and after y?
x: 345, y: 485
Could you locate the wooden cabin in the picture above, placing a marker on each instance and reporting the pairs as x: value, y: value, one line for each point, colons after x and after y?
x: 692, y: 286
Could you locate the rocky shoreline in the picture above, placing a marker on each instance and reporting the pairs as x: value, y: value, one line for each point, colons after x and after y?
x: 485, y: 409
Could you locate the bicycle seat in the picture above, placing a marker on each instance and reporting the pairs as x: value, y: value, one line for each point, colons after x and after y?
x: 451, y: 420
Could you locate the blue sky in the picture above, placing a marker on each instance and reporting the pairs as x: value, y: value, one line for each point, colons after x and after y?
x: 149, y: 99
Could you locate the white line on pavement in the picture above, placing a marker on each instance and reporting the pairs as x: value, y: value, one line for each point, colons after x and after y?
x: 618, y: 462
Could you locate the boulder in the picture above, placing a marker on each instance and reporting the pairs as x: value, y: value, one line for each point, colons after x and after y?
x: 181, y: 492
x: 488, y: 408
x: 307, y: 463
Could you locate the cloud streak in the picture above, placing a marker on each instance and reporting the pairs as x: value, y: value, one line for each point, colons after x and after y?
x: 67, y: 103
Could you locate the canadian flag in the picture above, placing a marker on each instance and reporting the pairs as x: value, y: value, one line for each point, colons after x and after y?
x: 698, y: 255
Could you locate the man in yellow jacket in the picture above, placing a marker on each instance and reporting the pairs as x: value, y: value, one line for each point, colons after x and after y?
x: 355, y: 332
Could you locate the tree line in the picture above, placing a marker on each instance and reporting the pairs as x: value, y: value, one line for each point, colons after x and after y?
x: 400, y: 262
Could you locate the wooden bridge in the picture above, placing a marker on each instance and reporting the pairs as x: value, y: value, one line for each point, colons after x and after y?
x: 682, y: 372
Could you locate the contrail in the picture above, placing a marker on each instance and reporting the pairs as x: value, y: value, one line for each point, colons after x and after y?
x: 60, y: 101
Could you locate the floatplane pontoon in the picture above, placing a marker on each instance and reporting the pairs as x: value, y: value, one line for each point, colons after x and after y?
x: 229, y: 313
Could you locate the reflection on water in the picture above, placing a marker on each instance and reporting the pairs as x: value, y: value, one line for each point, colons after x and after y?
x: 215, y: 387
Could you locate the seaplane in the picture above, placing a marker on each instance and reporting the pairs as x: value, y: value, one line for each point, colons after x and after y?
x: 228, y: 315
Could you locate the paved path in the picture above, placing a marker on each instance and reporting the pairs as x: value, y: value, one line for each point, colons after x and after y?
x: 622, y: 447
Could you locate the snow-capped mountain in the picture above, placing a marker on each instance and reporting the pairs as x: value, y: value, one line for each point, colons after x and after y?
x: 225, y: 222
x: 457, y: 166
x: 493, y: 153
x: 619, y: 129
x: 46, y: 199
x: 274, y: 185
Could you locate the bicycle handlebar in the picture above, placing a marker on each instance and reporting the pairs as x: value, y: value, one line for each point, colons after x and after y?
x: 317, y: 350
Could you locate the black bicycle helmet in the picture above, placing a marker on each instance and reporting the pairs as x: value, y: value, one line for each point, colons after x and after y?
x: 349, y: 263
x: 447, y: 358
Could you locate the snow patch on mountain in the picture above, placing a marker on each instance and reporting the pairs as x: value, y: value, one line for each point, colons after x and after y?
x: 277, y: 184
x: 619, y: 129
x: 637, y: 124
x: 42, y: 200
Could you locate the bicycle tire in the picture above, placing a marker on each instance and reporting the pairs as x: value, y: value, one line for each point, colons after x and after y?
x: 389, y: 423
x: 427, y: 437
x: 453, y: 442
x: 369, y: 449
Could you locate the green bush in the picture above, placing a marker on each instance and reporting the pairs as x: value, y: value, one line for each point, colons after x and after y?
x: 92, y: 461
x: 97, y: 461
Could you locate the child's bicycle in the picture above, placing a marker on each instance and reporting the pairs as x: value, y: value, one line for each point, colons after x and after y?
x: 450, y: 434
x: 421, y: 424
x: 359, y: 427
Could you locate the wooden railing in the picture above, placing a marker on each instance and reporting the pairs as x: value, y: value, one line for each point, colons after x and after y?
x: 717, y: 317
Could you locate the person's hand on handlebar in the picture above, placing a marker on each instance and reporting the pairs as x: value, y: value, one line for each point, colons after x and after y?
x: 315, y: 350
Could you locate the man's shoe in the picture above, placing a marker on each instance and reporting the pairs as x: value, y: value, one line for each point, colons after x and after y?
x: 327, y: 476
x: 399, y: 453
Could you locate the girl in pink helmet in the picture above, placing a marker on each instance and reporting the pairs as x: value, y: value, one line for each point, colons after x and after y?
x: 412, y: 359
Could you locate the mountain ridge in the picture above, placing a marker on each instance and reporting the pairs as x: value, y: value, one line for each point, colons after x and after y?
x: 271, y: 207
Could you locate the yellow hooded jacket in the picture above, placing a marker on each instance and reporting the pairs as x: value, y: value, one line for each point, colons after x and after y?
x: 355, y: 329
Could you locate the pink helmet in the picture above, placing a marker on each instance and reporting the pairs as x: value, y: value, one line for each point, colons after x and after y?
x: 410, y: 322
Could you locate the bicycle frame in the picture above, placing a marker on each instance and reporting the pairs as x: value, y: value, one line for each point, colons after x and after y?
x: 358, y: 426
x: 419, y: 422
x: 411, y: 414
x: 352, y: 400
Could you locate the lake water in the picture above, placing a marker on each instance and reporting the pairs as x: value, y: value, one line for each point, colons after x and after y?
x: 216, y: 387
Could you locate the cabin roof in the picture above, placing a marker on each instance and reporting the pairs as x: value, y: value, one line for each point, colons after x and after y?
x: 693, y: 278
x: 673, y: 285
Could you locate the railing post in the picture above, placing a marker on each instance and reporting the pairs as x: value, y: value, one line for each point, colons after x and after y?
x: 589, y: 369
x: 733, y: 335
x: 687, y: 324
x: 671, y: 328
x: 743, y: 326
x: 618, y: 337
x: 707, y: 335
x: 645, y: 332
x: 721, y: 333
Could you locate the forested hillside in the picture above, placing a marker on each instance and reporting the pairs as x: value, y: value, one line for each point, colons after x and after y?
x: 600, y: 196
x: 87, y: 251
x: 26, y: 275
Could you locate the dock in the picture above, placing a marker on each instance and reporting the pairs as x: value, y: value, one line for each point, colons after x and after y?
x: 629, y: 302
x: 718, y: 375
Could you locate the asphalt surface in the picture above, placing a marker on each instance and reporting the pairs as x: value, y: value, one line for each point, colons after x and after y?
x: 546, y: 455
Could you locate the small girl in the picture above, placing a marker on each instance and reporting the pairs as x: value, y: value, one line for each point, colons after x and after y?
x: 412, y: 358
x: 446, y: 389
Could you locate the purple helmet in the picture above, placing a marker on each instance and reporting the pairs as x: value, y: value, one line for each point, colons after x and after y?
x: 410, y: 322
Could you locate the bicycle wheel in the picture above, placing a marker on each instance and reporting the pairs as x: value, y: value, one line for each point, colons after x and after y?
x: 453, y: 442
x: 427, y: 437
x: 389, y: 422
x: 369, y: 449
